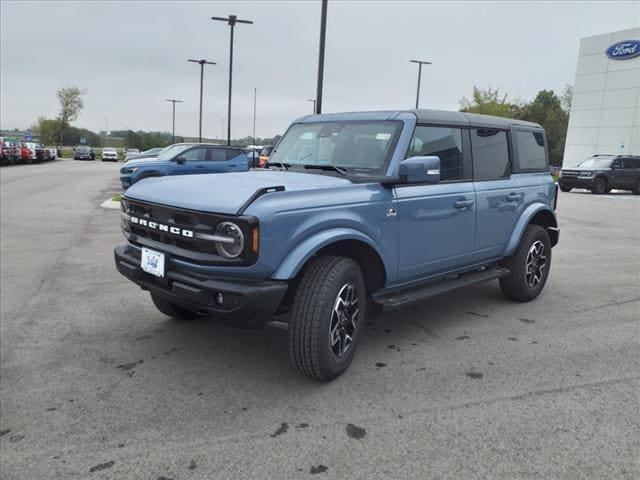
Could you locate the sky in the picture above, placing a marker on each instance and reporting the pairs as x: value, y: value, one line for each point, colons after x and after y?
x: 131, y: 56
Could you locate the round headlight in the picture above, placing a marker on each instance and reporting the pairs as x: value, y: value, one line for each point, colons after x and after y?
x: 232, y: 248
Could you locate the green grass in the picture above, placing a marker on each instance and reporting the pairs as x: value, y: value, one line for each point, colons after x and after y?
x: 117, y: 198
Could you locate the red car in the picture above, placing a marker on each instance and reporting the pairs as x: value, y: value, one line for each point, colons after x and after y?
x: 26, y: 155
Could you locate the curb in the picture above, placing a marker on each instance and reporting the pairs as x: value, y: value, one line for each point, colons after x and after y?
x: 109, y: 203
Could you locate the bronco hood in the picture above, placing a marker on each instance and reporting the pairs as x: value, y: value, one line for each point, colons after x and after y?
x: 224, y: 192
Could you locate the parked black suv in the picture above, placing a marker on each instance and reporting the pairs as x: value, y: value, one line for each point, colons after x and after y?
x: 602, y: 173
x: 83, y: 153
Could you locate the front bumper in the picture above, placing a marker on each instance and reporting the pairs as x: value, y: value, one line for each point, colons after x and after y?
x: 576, y: 182
x: 246, y: 303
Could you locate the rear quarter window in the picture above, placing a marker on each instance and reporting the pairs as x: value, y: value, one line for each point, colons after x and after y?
x: 531, y: 151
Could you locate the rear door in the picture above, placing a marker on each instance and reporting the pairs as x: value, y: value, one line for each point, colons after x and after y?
x: 500, y: 197
x: 436, y: 222
x: 228, y: 160
x: 630, y: 171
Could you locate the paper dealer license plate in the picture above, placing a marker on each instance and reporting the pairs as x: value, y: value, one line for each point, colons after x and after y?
x: 152, y: 262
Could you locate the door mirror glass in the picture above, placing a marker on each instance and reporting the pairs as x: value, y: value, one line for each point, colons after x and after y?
x: 420, y: 170
x: 179, y: 160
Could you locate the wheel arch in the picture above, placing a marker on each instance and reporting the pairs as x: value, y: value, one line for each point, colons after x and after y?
x: 534, y: 215
x: 344, y: 242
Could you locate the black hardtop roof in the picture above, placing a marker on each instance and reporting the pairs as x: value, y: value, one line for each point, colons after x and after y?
x: 470, y: 119
x: 437, y: 117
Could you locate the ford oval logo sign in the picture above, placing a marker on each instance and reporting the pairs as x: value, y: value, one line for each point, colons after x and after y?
x: 624, y: 50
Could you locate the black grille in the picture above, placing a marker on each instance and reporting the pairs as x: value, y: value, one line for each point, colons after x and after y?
x: 181, y: 219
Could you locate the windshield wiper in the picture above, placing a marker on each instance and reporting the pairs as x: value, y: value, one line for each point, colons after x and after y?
x: 332, y: 168
x: 283, y: 165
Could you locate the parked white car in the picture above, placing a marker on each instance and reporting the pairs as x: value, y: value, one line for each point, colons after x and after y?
x: 109, y: 154
x: 53, y: 153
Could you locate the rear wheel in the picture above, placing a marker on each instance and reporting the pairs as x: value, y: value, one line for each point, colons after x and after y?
x: 327, y: 317
x: 636, y: 187
x: 599, y: 186
x: 171, y: 309
x: 529, y: 266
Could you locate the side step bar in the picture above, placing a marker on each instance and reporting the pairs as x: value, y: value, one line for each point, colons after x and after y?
x: 396, y: 300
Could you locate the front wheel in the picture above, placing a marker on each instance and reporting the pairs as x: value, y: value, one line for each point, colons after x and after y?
x: 529, y: 266
x: 599, y: 186
x: 565, y: 189
x: 327, y: 317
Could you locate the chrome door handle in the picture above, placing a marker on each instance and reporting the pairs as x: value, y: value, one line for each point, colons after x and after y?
x: 514, y: 197
x: 462, y: 204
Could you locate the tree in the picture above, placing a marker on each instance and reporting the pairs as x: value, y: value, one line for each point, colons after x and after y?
x: 567, y: 97
x: 48, y: 130
x: 71, y: 104
x: 488, y: 102
x: 546, y: 109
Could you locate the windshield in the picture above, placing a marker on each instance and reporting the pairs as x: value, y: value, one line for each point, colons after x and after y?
x: 109, y: 150
x: 82, y: 149
x: 352, y: 146
x: 596, y: 162
x: 171, y: 151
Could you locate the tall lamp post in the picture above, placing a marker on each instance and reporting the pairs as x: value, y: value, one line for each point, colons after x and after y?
x: 420, y: 63
x: 323, y: 31
x: 173, y: 132
x: 202, y: 63
x: 255, y: 97
x: 231, y: 21
x: 314, y: 104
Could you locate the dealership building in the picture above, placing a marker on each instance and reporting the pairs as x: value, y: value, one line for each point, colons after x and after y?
x: 605, y: 112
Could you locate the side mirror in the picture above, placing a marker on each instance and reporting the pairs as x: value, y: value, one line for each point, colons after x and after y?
x: 179, y: 160
x: 419, y: 170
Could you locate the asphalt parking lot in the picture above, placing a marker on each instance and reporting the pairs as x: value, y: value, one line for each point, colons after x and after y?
x: 96, y: 383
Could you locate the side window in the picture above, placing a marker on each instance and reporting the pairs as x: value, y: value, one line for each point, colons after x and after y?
x: 631, y: 163
x: 531, y: 151
x: 490, y: 153
x: 217, y: 154
x: 232, y: 153
x: 194, y: 155
x: 442, y: 142
x: 617, y: 163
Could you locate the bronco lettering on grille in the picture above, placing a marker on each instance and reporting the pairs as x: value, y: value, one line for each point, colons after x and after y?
x: 143, y: 222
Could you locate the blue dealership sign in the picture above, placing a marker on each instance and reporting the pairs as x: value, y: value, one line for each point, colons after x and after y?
x: 27, y: 137
x: 624, y: 50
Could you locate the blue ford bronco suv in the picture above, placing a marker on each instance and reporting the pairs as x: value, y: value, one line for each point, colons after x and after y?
x: 185, y: 159
x: 354, y: 212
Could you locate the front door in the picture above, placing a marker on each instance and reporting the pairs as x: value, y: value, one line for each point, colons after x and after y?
x: 437, y: 222
x: 191, y: 161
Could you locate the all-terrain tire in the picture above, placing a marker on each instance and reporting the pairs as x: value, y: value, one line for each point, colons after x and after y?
x: 636, y: 188
x: 599, y: 186
x: 171, y: 309
x: 516, y: 286
x: 565, y: 189
x: 314, y: 312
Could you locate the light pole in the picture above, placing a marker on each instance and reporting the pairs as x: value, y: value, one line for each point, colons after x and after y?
x: 202, y: 64
x: 420, y: 63
x: 221, y: 128
x: 314, y: 104
x: 231, y: 21
x: 173, y: 101
x: 255, y: 97
x: 323, y: 30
